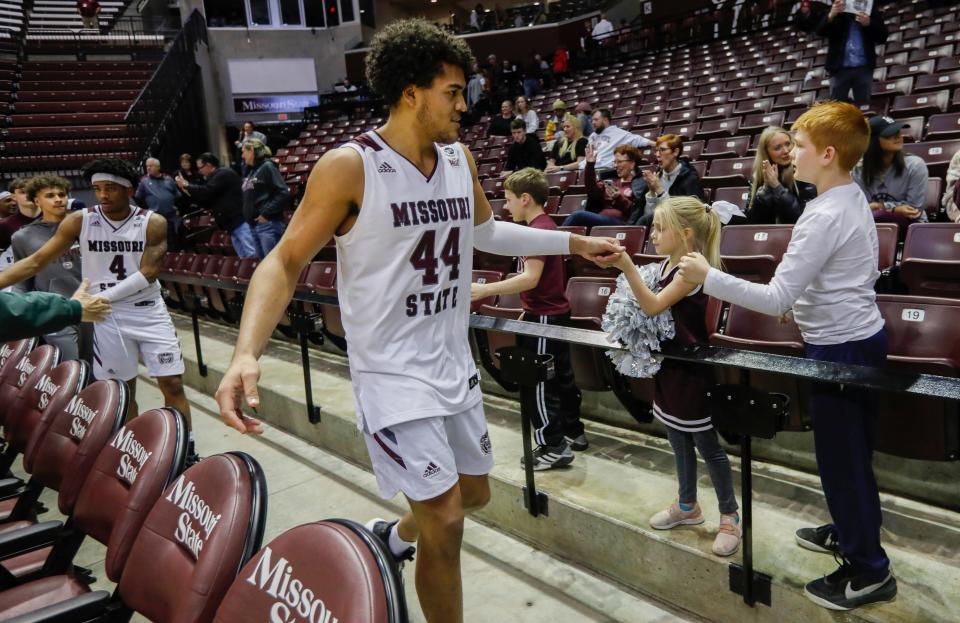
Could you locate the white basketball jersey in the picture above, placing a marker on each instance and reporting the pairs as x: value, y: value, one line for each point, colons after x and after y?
x: 403, y: 280
x: 110, y: 251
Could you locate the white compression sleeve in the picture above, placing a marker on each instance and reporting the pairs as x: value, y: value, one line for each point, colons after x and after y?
x: 128, y: 287
x: 502, y: 238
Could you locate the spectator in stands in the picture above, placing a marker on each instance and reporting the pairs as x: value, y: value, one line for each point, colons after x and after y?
x: 477, y: 90
x: 265, y: 196
x: 222, y: 194
x: 951, y: 197
x: 609, y: 202
x: 32, y: 315
x: 476, y: 18
x: 684, y: 225
x: 809, y: 15
x: 187, y: 171
x: 532, y: 76
x: 556, y: 120
x: 675, y: 178
x: 585, y: 114
x: 26, y: 212
x: 602, y: 31
x: 530, y: 117
x: 159, y: 193
x: 775, y: 195
x: 62, y: 275
x: 895, y: 183
x: 525, y: 151
x: 500, y: 125
x: 540, y: 283
x: 606, y: 138
x: 8, y: 204
x: 89, y: 12
x: 561, y: 63
x: 509, y: 82
x: 852, y: 53
x: 248, y: 131
x: 826, y: 278
x: 570, y: 149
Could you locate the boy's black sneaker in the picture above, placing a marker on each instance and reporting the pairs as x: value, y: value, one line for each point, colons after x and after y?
x: 578, y: 443
x: 192, y: 457
x: 381, y: 529
x: 822, y: 539
x: 549, y: 457
x: 846, y: 589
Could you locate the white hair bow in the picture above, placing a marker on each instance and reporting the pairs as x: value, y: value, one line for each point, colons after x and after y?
x: 725, y: 210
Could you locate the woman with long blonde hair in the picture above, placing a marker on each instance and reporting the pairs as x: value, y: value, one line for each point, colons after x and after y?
x: 570, y: 148
x: 775, y: 195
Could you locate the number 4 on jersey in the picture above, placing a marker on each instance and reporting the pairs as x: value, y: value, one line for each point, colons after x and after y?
x: 117, y: 268
x: 424, y: 256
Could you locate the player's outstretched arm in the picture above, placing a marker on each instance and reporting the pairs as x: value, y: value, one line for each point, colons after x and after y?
x: 505, y: 238
x: 333, y: 195
x: 67, y: 233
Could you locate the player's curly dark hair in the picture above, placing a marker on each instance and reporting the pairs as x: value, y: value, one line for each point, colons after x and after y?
x: 113, y: 166
x: 412, y: 51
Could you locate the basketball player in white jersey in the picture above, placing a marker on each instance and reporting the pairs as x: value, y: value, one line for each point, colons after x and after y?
x: 406, y: 209
x: 121, y: 254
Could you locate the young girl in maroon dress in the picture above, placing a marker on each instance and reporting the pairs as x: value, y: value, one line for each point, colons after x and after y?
x: 682, y: 225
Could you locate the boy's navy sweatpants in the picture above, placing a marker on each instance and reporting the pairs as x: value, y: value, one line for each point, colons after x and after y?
x: 844, y: 429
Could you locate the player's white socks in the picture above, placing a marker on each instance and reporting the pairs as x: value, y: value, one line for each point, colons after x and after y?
x: 397, y: 545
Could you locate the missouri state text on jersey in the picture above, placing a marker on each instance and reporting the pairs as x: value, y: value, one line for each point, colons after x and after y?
x: 115, y: 246
x: 432, y: 256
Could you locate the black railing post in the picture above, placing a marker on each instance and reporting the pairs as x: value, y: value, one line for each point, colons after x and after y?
x: 305, y: 323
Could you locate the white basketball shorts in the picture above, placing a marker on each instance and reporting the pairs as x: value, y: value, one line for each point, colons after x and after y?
x: 136, y: 331
x: 424, y: 458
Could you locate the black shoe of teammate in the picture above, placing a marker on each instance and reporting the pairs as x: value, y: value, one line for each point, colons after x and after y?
x: 846, y: 589
x: 381, y: 529
x: 192, y: 457
x: 822, y: 539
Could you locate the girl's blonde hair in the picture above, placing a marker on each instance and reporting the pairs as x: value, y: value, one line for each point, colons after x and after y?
x: 678, y: 213
x: 568, y: 145
x: 786, y: 177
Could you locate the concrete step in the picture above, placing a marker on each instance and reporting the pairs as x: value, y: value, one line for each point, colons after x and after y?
x: 599, y: 507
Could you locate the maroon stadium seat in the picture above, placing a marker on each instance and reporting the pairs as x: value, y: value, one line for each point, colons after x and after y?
x: 936, y: 154
x: 737, y: 195
x: 10, y: 355
x: 728, y: 172
x: 118, y: 491
x: 749, y: 330
x: 339, y: 564
x: 730, y: 147
x: 931, y: 260
x: 887, y: 234
x: 943, y: 126
x: 485, y: 276
x: 588, y: 301
x: 919, y: 331
x: 920, y: 104
x: 631, y: 237
x: 25, y: 373
x: 752, y: 252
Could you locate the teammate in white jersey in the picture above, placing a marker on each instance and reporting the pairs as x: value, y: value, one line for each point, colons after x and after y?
x: 407, y: 210
x: 121, y: 252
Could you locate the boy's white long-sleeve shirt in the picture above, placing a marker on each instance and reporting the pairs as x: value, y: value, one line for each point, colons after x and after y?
x: 826, y: 276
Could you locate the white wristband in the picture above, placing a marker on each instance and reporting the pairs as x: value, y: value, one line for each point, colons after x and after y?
x: 128, y: 287
x: 502, y: 238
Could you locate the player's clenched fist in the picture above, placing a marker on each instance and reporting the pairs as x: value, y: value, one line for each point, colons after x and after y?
x: 239, y: 386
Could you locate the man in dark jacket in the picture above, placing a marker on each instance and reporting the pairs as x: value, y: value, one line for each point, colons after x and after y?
x: 36, y: 313
x: 265, y: 196
x: 525, y: 151
x: 852, y: 54
x: 223, y: 196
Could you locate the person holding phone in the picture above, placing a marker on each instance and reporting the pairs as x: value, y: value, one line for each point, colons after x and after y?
x: 852, y: 51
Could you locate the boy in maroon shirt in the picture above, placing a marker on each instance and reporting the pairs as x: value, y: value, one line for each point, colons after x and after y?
x: 541, y: 284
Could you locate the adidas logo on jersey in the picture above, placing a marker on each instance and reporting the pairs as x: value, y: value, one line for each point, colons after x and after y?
x: 386, y: 168
x: 431, y: 471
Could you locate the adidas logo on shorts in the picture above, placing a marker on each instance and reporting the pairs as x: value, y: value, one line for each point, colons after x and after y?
x: 431, y: 471
x: 386, y: 168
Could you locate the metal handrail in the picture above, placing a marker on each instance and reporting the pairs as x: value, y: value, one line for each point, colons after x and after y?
x: 926, y: 385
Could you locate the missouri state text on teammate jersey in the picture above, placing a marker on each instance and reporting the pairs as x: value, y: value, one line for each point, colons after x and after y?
x: 404, y: 270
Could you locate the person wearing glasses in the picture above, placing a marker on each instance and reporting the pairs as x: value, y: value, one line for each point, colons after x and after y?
x: 674, y: 177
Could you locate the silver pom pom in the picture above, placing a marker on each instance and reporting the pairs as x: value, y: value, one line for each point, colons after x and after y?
x: 626, y: 322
